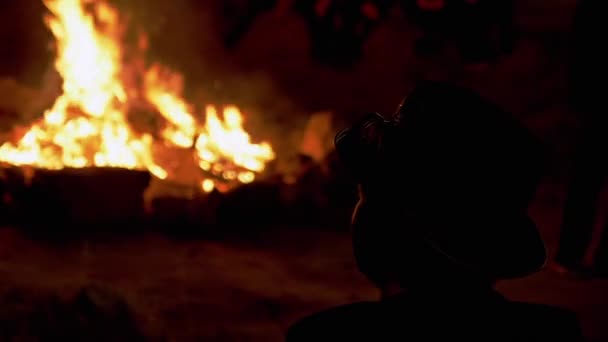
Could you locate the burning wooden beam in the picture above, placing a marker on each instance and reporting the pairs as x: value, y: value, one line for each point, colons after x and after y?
x: 80, y: 197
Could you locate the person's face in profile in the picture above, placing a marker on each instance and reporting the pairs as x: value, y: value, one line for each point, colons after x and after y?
x: 361, y: 197
x: 368, y: 242
x: 363, y: 219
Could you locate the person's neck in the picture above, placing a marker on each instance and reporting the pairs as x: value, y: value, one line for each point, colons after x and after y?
x: 394, y: 288
x: 389, y: 290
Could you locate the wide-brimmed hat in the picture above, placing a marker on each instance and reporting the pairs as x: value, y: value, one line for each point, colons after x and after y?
x: 460, y: 164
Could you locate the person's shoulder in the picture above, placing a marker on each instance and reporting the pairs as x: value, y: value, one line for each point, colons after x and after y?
x: 550, y: 320
x: 544, y: 311
x: 338, y: 322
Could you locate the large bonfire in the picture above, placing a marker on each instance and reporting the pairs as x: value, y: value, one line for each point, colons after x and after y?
x: 87, y: 126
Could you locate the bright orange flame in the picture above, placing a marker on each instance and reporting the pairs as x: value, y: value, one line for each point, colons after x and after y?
x: 181, y: 127
x: 229, y: 140
x: 87, y: 124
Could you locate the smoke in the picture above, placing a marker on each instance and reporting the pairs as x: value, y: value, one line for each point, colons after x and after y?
x: 187, y: 36
x: 21, y: 104
x: 28, y: 83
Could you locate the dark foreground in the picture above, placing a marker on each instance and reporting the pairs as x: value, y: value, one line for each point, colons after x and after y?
x: 237, y: 290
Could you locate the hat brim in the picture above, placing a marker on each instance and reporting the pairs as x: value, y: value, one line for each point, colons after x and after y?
x: 508, y: 248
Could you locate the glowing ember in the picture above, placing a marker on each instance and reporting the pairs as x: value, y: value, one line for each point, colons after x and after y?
x: 87, y: 125
x: 207, y: 185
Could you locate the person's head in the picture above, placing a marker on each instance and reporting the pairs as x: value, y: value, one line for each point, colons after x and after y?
x: 444, y: 189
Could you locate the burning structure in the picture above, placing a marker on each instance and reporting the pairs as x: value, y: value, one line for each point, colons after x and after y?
x: 106, y: 88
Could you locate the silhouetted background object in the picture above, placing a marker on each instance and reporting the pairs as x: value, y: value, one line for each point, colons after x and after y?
x: 590, y: 166
x: 444, y: 190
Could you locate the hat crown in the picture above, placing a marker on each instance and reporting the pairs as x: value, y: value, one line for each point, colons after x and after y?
x: 445, y: 144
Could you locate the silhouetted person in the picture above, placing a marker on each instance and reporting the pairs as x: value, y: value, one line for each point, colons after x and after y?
x: 244, y: 14
x: 338, y: 29
x: 482, y: 29
x: 444, y: 189
x: 590, y: 166
x: 432, y: 17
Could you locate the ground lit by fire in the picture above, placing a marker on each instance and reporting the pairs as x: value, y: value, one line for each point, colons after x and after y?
x: 88, y: 124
